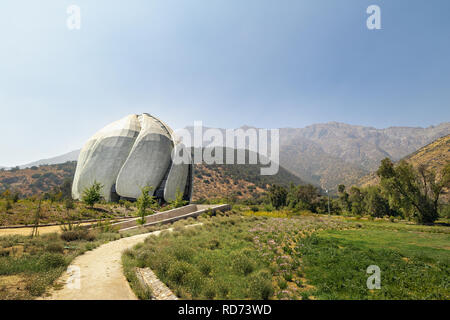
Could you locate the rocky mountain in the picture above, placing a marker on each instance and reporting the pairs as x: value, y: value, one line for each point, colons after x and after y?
x: 433, y: 156
x: 210, y: 181
x: 70, y: 156
x: 365, y: 146
x: 332, y: 153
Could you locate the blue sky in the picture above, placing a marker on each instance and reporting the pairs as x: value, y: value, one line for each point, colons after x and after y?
x: 265, y: 63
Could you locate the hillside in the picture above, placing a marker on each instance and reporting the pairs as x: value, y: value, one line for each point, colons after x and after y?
x: 332, y: 153
x: 210, y: 181
x: 433, y: 156
x: 70, y: 156
x: 36, y: 180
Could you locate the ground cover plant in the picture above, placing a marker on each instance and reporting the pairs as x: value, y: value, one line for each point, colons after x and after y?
x: 256, y: 254
x: 28, y: 266
x: 22, y: 212
x: 223, y: 259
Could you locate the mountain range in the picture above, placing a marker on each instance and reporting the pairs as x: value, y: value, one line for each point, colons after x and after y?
x: 433, y: 156
x: 332, y: 153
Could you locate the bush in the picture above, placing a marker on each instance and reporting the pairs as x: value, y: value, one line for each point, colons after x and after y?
x: 194, y: 282
x: 242, y: 264
x: 79, y: 234
x: 8, y: 206
x: 260, y: 286
x: 92, y: 195
x: 68, y: 204
x: 55, y: 248
x: 178, y: 271
x: 205, y: 266
x: 209, y: 291
x: 183, y: 252
x: 51, y: 260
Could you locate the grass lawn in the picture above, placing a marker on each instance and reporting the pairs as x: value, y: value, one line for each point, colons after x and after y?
x: 283, y: 256
x: 413, y: 265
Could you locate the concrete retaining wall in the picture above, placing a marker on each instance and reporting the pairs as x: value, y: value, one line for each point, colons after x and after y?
x: 192, y: 210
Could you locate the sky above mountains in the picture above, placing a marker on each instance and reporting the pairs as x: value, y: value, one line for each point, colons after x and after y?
x: 263, y: 63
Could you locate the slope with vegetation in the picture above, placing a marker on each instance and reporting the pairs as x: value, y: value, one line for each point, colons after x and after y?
x: 241, y: 181
x: 253, y: 254
x: 329, y: 154
x: 433, y: 156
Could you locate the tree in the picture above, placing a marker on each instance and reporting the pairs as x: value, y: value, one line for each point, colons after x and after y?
x: 8, y: 206
x: 15, y: 197
x: 68, y: 204
x: 344, y: 199
x: 6, y: 194
x: 178, y: 202
x: 303, y: 197
x: 92, y: 195
x: 277, y: 196
x: 416, y: 192
x: 376, y: 205
x: 144, y: 202
x: 37, y: 217
x: 66, y: 189
x: 356, y: 199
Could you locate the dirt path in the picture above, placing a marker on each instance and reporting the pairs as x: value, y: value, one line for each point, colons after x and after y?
x: 101, y: 274
x: 27, y: 230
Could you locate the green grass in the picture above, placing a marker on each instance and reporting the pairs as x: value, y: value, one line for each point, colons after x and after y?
x: 213, y: 261
x: 424, y: 245
x: 222, y: 259
x: 335, y: 264
x: 299, y: 257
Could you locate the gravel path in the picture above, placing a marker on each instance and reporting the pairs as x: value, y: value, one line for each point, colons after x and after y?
x: 101, y: 274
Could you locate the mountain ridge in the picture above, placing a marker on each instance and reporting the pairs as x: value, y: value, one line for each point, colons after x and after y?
x: 433, y: 156
x: 328, y: 154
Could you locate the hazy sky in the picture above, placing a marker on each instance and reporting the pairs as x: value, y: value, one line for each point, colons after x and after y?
x: 265, y: 63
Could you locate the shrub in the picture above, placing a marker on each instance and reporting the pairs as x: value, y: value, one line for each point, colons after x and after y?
x: 205, y: 266
x: 78, y: 234
x: 178, y: 272
x: 8, y: 206
x: 214, y: 244
x: 55, y: 248
x: 144, y: 202
x: 242, y: 264
x: 194, y: 282
x: 282, y: 284
x: 51, y: 260
x: 260, y: 286
x: 209, y: 291
x: 183, y: 253
x: 92, y: 195
x: 68, y: 204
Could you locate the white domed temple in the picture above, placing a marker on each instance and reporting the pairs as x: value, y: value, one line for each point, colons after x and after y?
x: 132, y: 153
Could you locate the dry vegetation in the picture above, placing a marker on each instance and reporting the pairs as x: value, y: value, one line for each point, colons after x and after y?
x: 433, y: 156
x: 252, y: 254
